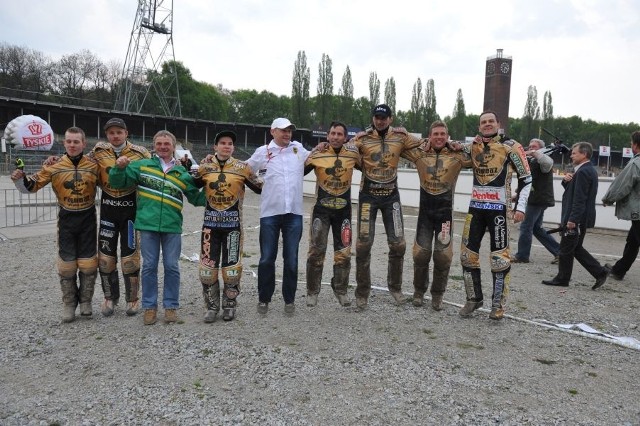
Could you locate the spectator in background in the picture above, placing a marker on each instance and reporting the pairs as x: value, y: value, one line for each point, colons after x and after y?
x: 624, y: 192
x: 578, y: 214
x: 540, y: 197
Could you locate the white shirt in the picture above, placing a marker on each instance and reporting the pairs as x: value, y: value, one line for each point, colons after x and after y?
x: 282, y: 170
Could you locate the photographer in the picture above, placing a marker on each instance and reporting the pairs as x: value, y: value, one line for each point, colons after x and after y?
x: 540, y: 197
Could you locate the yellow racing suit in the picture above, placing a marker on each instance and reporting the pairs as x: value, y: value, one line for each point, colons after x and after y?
x: 221, y: 241
x: 438, y: 171
x: 494, y: 160
x: 381, y: 152
x: 334, y: 171
x: 74, y: 182
x: 117, y: 217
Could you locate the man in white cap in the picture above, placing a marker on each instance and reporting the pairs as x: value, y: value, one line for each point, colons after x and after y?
x: 281, y: 165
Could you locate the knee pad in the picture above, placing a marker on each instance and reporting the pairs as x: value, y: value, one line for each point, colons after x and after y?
x: 130, y: 264
x: 421, y: 255
x: 442, y: 258
x: 500, y: 260
x: 208, y: 276
x: 231, y: 275
x: 88, y: 266
x: 468, y: 258
x: 107, y: 263
x: 67, y: 270
x: 397, y: 248
x: 342, y: 257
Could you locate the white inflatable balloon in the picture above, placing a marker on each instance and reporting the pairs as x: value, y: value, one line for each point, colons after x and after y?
x: 29, y: 132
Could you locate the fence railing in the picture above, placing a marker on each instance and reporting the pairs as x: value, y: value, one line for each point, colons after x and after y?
x: 18, y: 209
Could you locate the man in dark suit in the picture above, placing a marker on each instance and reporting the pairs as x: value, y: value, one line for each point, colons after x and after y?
x: 578, y: 214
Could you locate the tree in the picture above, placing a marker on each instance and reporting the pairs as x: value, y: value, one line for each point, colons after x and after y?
x: 374, y: 90
x: 457, y: 124
x: 249, y: 106
x: 531, y: 116
x: 72, y: 74
x: 390, y: 93
x: 547, y: 111
x: 24, y: 69
x: 430, y: 113
x: 300, y: 113
x: 324, y: 102
x: 417, y: 108
x: 345, y: 95
x: 362, y: 112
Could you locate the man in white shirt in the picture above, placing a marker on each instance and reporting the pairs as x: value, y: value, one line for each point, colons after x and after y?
x: 281, y: 165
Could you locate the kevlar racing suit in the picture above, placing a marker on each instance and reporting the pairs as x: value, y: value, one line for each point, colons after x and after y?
x: 332, y: 210
x: 494, y: 160
x: 74, y: 182
x: 221, y: 242
x: 381, y: 153
x: 438, y: 172
x: 117, y: 217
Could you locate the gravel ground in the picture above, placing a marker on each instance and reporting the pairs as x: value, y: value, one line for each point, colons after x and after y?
x: 325, y: 365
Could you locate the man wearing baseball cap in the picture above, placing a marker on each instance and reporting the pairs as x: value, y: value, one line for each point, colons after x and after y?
x: 224, y: 179
x: 280, y: 163
x: 117, y: 217
x: 381, y: 147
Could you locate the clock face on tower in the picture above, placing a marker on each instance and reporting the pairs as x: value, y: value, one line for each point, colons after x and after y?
x: 491, y: 68
x: 504, y: 67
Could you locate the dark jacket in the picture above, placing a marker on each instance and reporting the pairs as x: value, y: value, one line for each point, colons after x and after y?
x: 542, y: 187
x: 579, y: 198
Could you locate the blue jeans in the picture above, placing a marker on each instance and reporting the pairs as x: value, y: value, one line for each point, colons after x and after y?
x: 532, y: 225
x: 270, y: 228
x: 150, y: 244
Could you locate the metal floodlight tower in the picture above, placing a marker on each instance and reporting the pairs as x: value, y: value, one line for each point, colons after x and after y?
x: 150, y: 48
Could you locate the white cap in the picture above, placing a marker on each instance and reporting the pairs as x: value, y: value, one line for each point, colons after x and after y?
x: 282, y: 123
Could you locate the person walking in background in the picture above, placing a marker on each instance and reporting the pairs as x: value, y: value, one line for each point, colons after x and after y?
x: 74, y: 179
x: 334, y: 169
x: 540, y: 197
x: 224, y: 179
x: 381, y: 147
x: 494, y: 158
x: 624, y: 192
x: 280, y: 163
x: 161, y: 183
x: 578, y: 215
x: 438, y: 169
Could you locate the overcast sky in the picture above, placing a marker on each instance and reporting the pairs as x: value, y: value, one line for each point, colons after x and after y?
x: 585, y: 52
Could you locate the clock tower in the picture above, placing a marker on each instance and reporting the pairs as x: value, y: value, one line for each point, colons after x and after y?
x: 497, y: 87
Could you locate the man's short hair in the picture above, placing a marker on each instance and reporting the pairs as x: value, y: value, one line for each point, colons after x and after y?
x: 539, y: 141
x: 635, y: 137
x: 76, y: 130
x: 489, y: 111
x: 171, y: 136
x: 584, y: 148
x: 438, y: 123
x: 339, y: 124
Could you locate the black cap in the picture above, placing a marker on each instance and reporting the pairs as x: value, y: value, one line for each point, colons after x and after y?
x: 224, y: 133
x: 382, y: 109
x: 115, y: 122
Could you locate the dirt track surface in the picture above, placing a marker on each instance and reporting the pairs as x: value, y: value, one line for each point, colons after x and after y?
x: 325, y: 365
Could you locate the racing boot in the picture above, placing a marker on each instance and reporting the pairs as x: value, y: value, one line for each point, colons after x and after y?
x: 132, y: 290
x: 87, y: 285
x: 69, y: 298
x: 500, y: 291
x: 473, y: 288
x: 107, y: 304
x: 394, y: 272
x: 211, y: 295
x: 421, y: 259
x: 340, y: 283
x: 229, y: 302
x: 314, y: 282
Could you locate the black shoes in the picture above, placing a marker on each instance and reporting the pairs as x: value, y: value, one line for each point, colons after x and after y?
x: 612, y: 274
x: 556, y: 283
x: 603, y: 278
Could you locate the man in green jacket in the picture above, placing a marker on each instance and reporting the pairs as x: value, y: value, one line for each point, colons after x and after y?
x: 161, y: 182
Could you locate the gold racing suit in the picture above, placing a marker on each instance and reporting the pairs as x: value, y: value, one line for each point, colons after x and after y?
x: 221, y: 241
x: 117, y: 216
x: 334, y: 171
x: 494, y: 160
x: 74, y: 182
x: 381, y: 153
x: 438, y: 172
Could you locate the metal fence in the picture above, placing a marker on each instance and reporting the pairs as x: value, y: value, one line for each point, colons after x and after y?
x: 18, y: 209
